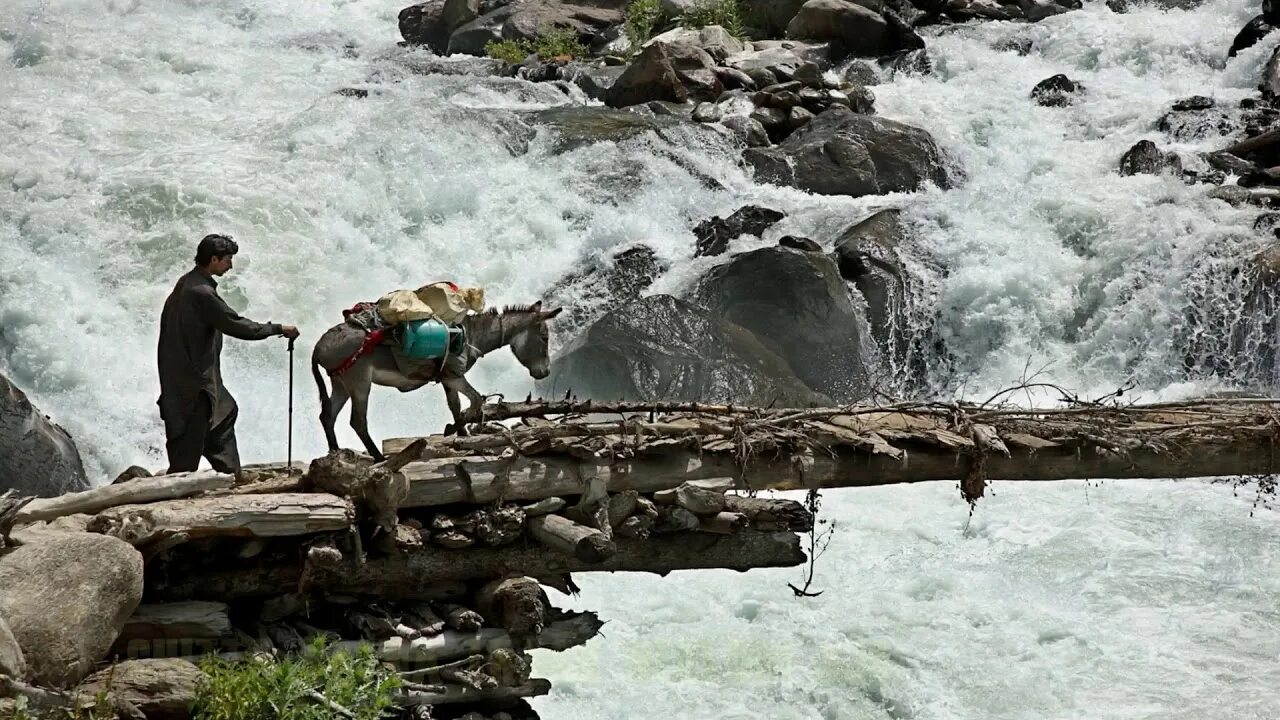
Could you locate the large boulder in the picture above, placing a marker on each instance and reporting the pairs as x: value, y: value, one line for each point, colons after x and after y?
x: 611, y: 282
x: 715, y: 40
x: 866, y: 254
x: 662, y: 348
x: 12, y: 661
x: 841, y: 152
x: 37, y: 457
x: 850, y: 28
x: 423, y: 24
x: 675, y: 72
x: 160, y: 689
x: 798, y: 305
x: 66, y: 597
x: 474, y: 23
x: 1056, y: 91
x: 1250, y: 34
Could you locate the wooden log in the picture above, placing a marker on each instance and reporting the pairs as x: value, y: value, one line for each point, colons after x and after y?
x: 456, y: 694
x: 435, y: 572
x: 698, y: 500
x: 622, y: 506
x: 546, y: 506
x: 226, y: 516
x: 724, y: 523
x: 141, y: 490
x: 189, y: 619
x: 572, y: 630
x: 460, y: 618
x: 424, y: 619
x: 517, y: 605
x: 770, y: 514
x: 565, y: 536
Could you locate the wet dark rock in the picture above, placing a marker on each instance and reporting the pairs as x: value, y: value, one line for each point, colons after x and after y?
x: 796, y: 303
x: 843, y: 153
x: 1145, y: 158
x: 1057, y: 91
x: 37, y: 457
x: 663, y: 348
x: 714, y: 234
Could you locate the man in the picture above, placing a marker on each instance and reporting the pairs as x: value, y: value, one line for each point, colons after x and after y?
x: 199, y: 414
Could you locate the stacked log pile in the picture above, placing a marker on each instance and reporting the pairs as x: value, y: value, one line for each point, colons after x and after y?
x: 449, y: 589
x: 439, y: 555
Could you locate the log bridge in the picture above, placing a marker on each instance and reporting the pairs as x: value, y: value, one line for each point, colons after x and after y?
x: 439, y: 555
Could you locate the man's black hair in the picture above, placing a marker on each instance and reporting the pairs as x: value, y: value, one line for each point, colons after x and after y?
x: 215, y: 245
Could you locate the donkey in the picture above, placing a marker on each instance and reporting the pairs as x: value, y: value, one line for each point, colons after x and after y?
x: 524, y: 328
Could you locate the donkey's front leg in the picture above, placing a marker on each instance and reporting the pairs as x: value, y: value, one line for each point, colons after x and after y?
x: 453, y: 386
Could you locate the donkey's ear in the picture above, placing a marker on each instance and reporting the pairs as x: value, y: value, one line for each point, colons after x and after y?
x: 551, y: 313
x: 536, y: 307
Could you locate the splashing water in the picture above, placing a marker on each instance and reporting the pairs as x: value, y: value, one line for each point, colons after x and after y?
x: 133, y: 127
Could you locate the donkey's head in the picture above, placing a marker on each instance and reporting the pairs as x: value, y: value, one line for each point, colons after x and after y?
x: 531, y: 342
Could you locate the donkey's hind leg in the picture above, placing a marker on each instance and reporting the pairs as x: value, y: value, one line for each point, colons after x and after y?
x: 359, y: 384
x: 329, y: 413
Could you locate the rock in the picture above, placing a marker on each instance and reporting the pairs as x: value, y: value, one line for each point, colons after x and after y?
x: 471, y: 38
x: 773, y: 120
x: 843, y: 153
x: 1018, y: 44
x: 866, y: 254
x: 706, y: 112
x: 66, y: 599
x: 595, y: 81
x: 615, y: 281
x: 1195, y: 123
x: 772, y: 16
x: 797, y: 304
x: 1145, y: 158
x: 907, y: 62
x: 780, y: 57
x: 1229, y: 163
x: 713, y: 39
x: 1037, y: 10
x: 1057, y: 91
x: 676, y: 8
x: 1250, y: 34
x: 1231, y: 194
x: 749, y: 130
x: 578, y: 126
x: 763, y: 77
x: 1270, y: 85
x: 1124, y: 6
x: 37, y: 457
x: 1195, y: 102
x: 858, y: 99
x: 423, y: 24
x: 12, y: 662
x: 733, y: 79
x: 714, y: 234
x: 799, y: 243
x: 659, y: 347
x: 798, y: 117
x: 457, y: 13
x: 161, y: 689
x: 590, y: 20
x: 678, y: 73
x: 861, y: 74
x: 849, y: 28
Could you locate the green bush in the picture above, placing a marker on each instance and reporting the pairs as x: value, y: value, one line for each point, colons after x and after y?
x: 643, y: 18
x: 100, y: 709
x: 281, y: 688
x: 724, y: 13
x: 550, y: 44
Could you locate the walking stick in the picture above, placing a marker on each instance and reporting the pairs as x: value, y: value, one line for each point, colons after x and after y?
x: 289, y: 466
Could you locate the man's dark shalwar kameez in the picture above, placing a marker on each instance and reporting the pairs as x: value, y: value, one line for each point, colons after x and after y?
x: 199, y: 414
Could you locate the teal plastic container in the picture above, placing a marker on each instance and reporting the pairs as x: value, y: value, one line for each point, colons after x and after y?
x: 425, y: 339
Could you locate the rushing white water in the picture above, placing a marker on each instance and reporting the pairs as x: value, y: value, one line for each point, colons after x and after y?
x: 133, y: 127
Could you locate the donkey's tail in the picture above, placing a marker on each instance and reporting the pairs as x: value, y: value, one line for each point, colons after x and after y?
x: 324, y: 392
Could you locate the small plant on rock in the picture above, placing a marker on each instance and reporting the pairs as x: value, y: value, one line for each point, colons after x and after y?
x: 643, y: 18
x: 724, y: 13
x: 557, y: 42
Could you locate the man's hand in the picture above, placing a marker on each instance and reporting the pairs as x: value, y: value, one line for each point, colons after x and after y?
x: 289, y: 331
